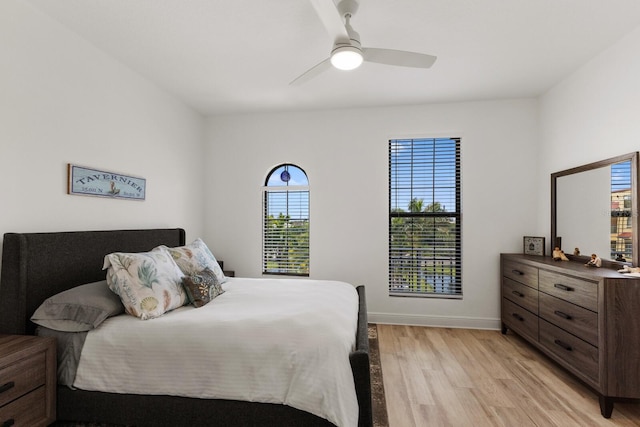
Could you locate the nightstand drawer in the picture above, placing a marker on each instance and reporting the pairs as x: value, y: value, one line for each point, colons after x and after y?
x: 521, y: 273
x: 26, y: 411
x: 22, y: 377
x: 520, y: 320
x: 579, y: 321
x: 582, y: 356
x: 580, y: 292
x: 521, y: 294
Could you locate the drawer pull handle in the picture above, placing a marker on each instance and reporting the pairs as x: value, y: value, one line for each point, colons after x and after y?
x: 563, y: 315
x: 7, y: 386
x: 521, y: 295
x: 518, y: 272
x: 563, y: 345
x: 563, y: 287
x: 517, y: 316
x: 9, y: 422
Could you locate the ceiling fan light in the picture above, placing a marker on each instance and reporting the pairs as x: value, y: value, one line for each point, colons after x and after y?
x: 346, y: 58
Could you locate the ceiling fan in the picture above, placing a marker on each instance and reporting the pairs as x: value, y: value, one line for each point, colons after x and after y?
x: 347, y: 52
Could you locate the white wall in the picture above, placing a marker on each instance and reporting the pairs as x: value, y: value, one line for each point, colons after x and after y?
x: 63, y: 101
x: 345, y: 156
x: 592, y: 115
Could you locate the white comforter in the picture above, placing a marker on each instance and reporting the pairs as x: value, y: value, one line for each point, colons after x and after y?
x: 266, y: 340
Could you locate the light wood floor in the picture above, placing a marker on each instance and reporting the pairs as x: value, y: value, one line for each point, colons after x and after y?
x: 462, y: 377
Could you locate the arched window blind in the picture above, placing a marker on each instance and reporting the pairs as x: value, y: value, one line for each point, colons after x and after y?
x: 285, y: 231
x: 425, y: 255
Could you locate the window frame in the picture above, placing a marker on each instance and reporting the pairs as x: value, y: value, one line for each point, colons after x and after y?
x: 410, y: 266
x: 292, y: 264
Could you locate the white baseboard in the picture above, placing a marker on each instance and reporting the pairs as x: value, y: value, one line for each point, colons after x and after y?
x: 435, y: 321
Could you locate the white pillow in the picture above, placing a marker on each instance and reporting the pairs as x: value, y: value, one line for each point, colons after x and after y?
x: 148, y: 283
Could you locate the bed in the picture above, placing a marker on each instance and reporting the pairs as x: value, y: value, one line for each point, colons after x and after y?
x: 36, y: 266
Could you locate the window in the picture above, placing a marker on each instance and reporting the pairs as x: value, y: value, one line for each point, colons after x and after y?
x: 425, y: 256
x: 285, y: 230
x: 621, y: 216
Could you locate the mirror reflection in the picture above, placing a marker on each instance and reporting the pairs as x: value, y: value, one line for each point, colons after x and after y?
x: 592, y: 209
x: 621, y: 219
x: 583, y: 220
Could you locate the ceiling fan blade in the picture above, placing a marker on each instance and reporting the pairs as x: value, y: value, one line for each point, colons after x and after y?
x: 398, y: 57
x: 312, y: 72
x: 331, y: 19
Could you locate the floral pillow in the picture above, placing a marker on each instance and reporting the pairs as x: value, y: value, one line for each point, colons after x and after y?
x: 202, y: 287
x: 194, y: 258
x: 148, y: 283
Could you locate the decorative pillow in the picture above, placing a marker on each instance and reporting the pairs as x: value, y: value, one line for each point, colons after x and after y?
x: 202, y: 287
x: 78, y: 309
x: 148, y: 283
x: 195, y: 257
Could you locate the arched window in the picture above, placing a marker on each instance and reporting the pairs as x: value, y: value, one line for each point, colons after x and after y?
x: 285, y: 227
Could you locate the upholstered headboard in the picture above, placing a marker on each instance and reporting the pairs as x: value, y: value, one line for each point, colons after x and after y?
x: 36, y: 266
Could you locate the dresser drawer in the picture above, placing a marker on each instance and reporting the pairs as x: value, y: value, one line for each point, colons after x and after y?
x: 521, y: 273
x: 26, y: 411
x: 520, y: 320
x: 521, y: 294
x: 581, y: 292
x: 22, y: 377
x: 574, y: 319
x: 582, y: 356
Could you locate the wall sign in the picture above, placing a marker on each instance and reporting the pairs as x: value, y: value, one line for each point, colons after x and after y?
x: 93, y: 182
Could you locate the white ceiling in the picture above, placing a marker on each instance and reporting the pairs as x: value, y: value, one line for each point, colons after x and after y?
x: 234, y: 56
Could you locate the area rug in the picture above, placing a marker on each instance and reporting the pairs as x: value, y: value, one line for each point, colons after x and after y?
x: 380, y: 418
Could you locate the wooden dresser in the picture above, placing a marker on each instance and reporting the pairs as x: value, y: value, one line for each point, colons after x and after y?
x: 587, y: 319
x: 27, y: 380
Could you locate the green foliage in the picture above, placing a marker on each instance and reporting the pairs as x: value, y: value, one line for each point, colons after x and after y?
x: 286, y: 247
x: 422, y: 248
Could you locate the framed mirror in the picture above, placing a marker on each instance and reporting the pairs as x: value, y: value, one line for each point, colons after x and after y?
x: 594, y: 208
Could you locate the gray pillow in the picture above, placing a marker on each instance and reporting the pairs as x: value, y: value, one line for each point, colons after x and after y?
x: 78, y: 309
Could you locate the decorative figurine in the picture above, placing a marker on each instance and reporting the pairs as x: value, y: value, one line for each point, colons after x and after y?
x: 558, y: 255
x: 595, y: 261
x: 626, y: 270
x: 576, y: 251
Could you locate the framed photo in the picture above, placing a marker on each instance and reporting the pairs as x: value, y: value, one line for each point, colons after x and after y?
x: 533, y: 245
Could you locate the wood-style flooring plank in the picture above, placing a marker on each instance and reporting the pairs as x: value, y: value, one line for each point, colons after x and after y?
x: 464, y: 377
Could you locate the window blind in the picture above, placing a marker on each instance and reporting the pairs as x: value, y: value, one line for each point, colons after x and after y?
x: 425, y: 256
x: 286, y: 232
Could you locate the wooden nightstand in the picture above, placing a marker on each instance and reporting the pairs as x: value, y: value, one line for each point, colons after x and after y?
x: 228, y: 273
x: 27, y: 380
